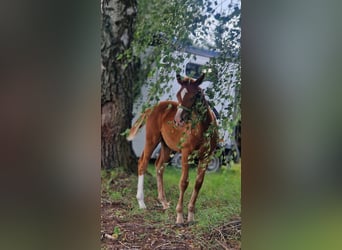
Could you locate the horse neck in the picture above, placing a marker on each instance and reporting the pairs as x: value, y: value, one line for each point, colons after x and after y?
x: 202, y: 112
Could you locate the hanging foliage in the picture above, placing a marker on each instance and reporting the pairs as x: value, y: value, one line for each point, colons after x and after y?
x: 165, y: 27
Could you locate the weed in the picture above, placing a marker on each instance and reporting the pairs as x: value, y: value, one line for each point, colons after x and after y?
x: 116, y: 232
x: 217, y: 203
x: 115, y: 195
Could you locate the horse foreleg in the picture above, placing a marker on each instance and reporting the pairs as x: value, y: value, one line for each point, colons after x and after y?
x: 198, y: 184
x: 183, y: 184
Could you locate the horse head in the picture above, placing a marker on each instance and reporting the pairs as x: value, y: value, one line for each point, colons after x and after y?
x: 187, y: 97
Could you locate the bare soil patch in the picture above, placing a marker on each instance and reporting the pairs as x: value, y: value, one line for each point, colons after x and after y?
x: 122, y: 228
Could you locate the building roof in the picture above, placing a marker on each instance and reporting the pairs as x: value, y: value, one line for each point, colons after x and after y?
x: 201, y: 52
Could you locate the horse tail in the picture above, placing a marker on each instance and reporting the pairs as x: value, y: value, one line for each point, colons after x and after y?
x: 136, y: 127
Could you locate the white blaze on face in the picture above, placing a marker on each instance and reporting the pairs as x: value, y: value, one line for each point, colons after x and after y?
x: 183, y: 92
x: 178, y: 116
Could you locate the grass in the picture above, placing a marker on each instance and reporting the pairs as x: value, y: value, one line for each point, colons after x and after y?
x: 219, y: 197
x: 218, y: 200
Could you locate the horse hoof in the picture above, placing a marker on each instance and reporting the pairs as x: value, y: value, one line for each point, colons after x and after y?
x: 166, y: 205
x: 143, y: 206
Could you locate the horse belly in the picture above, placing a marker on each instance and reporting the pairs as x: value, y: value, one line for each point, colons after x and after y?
x: 177, y: 138
x: 172, y: 138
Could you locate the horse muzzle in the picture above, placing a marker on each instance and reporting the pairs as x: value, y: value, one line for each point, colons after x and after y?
x: 178, y: 118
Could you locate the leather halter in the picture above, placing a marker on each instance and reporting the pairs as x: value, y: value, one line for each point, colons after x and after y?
x: 183, y: 107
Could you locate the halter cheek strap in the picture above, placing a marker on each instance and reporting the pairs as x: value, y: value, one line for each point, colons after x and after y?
x: 184, y: 108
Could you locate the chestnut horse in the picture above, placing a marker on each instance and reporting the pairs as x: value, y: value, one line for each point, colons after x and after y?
x: 189, y: 127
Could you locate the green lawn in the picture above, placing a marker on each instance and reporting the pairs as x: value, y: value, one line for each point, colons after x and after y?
x: 219, y: 197
x: 218, y: 201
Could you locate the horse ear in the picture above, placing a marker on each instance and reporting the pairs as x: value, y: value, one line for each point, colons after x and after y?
x: 200, y: 79
x: 179, y: 80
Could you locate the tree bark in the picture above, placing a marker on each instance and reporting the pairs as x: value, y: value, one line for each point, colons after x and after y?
x: 117, y: 78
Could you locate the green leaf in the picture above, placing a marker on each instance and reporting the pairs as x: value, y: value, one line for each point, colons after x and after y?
x: 125, y: 133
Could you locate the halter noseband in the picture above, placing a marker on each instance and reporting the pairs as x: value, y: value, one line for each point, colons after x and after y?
x: 183, y: 107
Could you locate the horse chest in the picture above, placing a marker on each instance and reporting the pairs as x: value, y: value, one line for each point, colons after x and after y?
x: 179, y: 137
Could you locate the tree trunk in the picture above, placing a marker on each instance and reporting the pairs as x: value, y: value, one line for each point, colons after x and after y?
x: 118, y: 18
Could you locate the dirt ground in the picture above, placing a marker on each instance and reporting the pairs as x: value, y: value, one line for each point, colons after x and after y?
x: 120, y: 229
